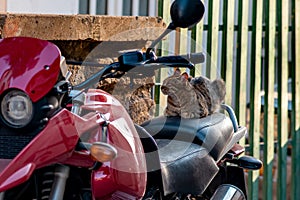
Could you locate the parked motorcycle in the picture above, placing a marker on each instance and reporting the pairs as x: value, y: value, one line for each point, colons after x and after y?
x: 60, y: 141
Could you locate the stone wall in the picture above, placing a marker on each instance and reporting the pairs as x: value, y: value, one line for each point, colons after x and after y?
x: 86, y: 38
x: 77, y: 35
x: 137, y: 100
x: 75, y: 27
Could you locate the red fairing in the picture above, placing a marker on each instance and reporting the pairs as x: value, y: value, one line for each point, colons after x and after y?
x: 126, y: 175
x: 28, y: 64
x: 54, y: 144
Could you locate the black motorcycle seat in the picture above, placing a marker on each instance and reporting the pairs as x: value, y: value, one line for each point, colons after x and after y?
x: 183, y: 163
x: 172, y: 150
x: 176, y: 164
x: 212, y: 132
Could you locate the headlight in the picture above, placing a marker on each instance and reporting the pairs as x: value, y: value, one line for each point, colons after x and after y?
x: 16, y: 109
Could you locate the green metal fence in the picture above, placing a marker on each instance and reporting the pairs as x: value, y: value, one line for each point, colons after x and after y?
x: 260, y: 48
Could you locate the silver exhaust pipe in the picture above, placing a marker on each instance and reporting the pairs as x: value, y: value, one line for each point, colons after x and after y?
x: 228, y: 192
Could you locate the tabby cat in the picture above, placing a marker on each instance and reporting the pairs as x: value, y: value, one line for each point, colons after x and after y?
x: 182, y: 99
x: 196, y: 98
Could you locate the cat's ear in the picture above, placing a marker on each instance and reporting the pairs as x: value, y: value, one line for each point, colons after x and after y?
x: 177, y: 72
x: 185, y: 76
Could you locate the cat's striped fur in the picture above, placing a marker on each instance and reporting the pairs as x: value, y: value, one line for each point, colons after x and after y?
x: 212, y: 92
x: 192, y: 99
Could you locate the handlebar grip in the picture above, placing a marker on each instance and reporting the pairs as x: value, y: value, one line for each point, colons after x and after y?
x: 195, y: 58
x: 174, y: 61
x: 182, y: 60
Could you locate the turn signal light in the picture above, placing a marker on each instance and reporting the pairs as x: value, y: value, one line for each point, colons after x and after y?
x: 103, y: 152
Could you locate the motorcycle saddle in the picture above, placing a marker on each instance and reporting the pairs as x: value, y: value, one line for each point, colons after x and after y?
x: 187, y: 150
x: 213, y: 132
x: 176, y: 164
x: 185, y: 167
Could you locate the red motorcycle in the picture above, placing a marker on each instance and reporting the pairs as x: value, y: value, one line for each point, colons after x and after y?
x: 60, y: 141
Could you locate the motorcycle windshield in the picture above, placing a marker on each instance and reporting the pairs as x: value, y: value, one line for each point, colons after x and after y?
x: 28, y: 64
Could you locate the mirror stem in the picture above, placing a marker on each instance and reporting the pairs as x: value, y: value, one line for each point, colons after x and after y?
x: 169, y: 29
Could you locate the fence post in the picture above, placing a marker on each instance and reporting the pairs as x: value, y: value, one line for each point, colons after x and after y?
x: 255, y: 99
x: 269, y: 70
x: 135, y: 7
x: 283, y: 25
x: 197, y: 35
x: 242, y: 52
x: 152, y: 8
x: 227, y: 47
x: 295, y: 99
x: 212, y: 38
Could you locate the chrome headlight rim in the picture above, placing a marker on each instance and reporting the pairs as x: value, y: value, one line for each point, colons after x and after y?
x: 17, y: 109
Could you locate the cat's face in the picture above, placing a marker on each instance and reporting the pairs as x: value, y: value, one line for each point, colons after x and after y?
x: 173, y: 84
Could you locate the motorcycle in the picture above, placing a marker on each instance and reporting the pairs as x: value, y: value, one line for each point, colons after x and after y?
x: 60, y: 141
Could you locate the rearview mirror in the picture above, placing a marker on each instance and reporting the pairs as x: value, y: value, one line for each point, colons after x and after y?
x: 186, y: 13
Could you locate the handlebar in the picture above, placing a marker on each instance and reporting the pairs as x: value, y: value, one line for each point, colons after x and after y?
x: 133, y: 59
x: 180, y: 61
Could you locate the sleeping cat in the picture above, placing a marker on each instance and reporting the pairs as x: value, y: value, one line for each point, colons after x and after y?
x: 192, y: 99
